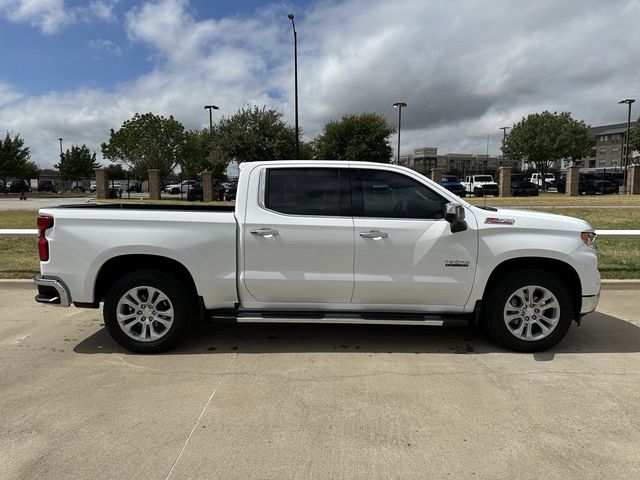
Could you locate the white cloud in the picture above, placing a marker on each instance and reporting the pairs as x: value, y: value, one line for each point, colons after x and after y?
x: 104, y: 45
x: 8, y: 94
x: 48, y: 15
x: 51, y: 16
x: 463, y: 68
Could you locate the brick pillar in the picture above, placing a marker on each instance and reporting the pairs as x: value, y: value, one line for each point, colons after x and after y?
x: 572, y: 183
x: 436, y: 175
x: 154, y: 184
x: 633, y: 179
x: 207, y: 187
x: 504, y: 179
x: 102, y: 183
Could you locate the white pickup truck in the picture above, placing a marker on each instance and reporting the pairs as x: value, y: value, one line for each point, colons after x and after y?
x: 480, y: 185
x: 326, y: 242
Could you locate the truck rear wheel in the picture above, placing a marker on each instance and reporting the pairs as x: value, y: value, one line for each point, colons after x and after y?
x: 528, y: 311
x: 147, y: 311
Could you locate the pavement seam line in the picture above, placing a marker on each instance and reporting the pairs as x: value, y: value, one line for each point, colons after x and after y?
x: 204, y: 409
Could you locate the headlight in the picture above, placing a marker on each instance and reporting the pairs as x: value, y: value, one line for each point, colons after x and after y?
x: 589, y: 239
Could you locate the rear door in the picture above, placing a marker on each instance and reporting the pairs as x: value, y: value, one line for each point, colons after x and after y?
x: 405, y: 254
x: 298, y: 237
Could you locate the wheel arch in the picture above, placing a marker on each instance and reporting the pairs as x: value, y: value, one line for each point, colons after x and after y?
x: 565, y: 273
x: 115, y: 267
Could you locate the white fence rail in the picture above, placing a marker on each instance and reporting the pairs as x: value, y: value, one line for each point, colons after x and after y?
x: 27, y: 232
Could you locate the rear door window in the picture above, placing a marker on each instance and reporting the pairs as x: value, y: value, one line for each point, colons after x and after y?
x: 308, y: 191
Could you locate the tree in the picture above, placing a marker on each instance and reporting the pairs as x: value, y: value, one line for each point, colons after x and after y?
x: 14, y: 158
x: 359, y: 137
x: 541, y: 139
x: 115, y: 171
x: 254, y: 134
x: 77, y: 163
x: 147, y: 141
x: 202, y: 154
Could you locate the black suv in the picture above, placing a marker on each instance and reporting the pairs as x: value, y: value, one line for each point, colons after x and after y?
x: 20, y: 185
x: 520, y: 185
x: 47, y: 186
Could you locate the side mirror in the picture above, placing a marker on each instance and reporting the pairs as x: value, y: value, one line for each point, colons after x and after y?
x: 454, y: 214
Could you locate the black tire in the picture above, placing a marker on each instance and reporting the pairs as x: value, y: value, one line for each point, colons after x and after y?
x: 178, y: 298
x: 496, y: 303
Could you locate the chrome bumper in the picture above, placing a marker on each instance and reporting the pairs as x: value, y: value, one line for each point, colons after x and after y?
x: 52, y: 291
x: 589, y: 304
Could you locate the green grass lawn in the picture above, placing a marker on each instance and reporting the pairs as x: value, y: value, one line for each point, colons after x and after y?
x: 619, y: 257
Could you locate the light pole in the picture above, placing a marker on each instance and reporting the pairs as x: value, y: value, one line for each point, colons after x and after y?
x: 399, y: 106
x: 295, y: 74
x: 60, y: 140
x: 628, y: 101
x: 211, y: 108
x: 504, y: 139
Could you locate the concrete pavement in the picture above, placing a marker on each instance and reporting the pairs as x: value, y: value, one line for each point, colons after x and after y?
x: 314, y: 401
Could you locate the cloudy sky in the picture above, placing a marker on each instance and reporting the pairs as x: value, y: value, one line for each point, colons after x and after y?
x: 465, y: 68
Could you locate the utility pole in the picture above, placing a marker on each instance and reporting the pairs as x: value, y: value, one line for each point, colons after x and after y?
x: 628, y: 101
x: 295, y: 73
x: 399, y: 106
x: 211, y: 108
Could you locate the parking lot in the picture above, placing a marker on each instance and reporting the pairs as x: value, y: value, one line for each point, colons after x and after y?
x: 314, y: 401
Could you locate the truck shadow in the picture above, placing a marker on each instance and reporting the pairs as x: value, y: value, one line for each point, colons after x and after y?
x: 598, y: 333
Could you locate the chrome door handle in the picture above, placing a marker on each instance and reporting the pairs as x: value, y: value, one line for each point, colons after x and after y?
x: 374, y: 234
x: 265, y: 232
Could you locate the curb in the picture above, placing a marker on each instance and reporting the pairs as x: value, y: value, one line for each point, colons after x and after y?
x: 628, y: 284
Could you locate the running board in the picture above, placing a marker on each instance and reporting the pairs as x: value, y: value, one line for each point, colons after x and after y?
x: 347, y: 318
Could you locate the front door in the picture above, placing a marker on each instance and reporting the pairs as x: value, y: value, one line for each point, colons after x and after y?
x: 405, y: 254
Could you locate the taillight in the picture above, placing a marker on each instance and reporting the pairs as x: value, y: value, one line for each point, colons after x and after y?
x: 44, y: 223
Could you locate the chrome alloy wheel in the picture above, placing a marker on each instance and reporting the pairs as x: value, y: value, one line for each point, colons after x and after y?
x: 145, y: 313
x: 532, y: 313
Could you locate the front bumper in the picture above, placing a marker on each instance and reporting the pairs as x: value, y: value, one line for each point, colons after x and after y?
x: 52, y: 291
x: 589, y: 304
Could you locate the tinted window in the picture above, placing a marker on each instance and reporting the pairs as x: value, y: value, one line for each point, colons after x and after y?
x: 393, y: 195
x: 308, y: 191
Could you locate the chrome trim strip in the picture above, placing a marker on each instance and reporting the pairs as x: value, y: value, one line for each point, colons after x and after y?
x: 60, y: 288
x: 589, y: 304
x: 258, y: 319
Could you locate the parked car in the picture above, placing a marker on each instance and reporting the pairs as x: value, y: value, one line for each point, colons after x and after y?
x: 520, y: 185
x: 195, y: 193
x: 134, y: 186
x: 47, y: 186
x: 326, y: 242
x: 19, y: 185
x: 175, y: 188
x: 589, y: 184
x: 229, y: 192
x: 480, y: 185
x: 452, y: 183
x: 549, y: 178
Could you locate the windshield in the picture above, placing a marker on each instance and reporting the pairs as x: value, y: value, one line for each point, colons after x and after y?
x: 449, y: 178
x: 483, y: 178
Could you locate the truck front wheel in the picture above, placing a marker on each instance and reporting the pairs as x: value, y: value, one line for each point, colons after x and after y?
x: 528, y: 311
x: 147, y: 311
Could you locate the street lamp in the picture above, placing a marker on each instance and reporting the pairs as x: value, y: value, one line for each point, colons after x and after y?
x: 60, y: 140
x: 211, y: 108
x: 628, y: 101
x: 399, y: 106
x: 295, y: 73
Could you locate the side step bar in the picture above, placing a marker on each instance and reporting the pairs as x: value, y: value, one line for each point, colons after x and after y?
x: 368, y: 318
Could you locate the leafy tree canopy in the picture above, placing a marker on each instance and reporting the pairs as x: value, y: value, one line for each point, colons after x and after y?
x: 15, y: 158
x: 77, y: 163
x: 254, y: 134
x: 359, y: 137
x: 201, y: 154
x: 147, y: 141
x: 116, y: 171
x: 543, y: 138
